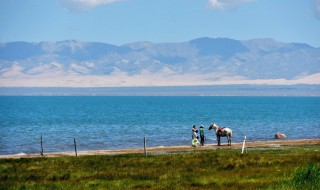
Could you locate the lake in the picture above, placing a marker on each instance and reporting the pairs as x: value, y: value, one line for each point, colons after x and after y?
x: 117, y: 122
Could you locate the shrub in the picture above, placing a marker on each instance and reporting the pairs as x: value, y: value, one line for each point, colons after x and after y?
x: 307, y: 177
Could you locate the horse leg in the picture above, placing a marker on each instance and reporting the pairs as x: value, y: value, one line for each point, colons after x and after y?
x: 218, y: 138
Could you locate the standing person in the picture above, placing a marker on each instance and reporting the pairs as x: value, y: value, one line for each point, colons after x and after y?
x: 194, y: 132
x: 202, y: 135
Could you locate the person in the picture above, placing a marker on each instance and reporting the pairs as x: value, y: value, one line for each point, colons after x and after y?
x: 194, y: 132
x: 195, y: 142
x: 202, y: 135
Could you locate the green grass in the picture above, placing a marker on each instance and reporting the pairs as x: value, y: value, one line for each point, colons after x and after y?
x: 288, y: 168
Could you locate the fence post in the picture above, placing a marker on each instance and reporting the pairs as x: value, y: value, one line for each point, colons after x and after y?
x: 75, y: 147
x: 244, y: 144
x: 41, y: 143
x: 145, y: 146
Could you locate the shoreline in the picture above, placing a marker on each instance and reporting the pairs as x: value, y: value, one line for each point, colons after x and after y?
x: 168, y: 149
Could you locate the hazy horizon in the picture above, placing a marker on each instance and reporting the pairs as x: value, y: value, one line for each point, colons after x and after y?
x: 202, y: 90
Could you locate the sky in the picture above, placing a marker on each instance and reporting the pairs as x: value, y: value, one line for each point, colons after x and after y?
x: 126, y: 21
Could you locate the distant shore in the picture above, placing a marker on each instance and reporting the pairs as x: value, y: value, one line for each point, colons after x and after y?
x: 199, y: 90
x: 168, y: 149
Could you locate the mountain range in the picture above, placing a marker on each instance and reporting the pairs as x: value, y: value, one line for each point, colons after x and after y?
x: 202, y: 61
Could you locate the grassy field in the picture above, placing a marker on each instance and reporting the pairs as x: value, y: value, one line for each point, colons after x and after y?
x: 281, y: 168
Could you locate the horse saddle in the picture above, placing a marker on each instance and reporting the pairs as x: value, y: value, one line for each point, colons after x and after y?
x: 220, y: 129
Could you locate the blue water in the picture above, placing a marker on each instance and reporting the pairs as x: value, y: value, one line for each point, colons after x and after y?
x: 122, y: 122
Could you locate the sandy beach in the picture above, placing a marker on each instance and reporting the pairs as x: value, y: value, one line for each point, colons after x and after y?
x: 168, y: 149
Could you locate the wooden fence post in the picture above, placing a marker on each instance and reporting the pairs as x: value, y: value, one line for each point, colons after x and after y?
x: 244, y: 144
x: 41, y: 152
x: 145, y: 146
x: 75, y: 147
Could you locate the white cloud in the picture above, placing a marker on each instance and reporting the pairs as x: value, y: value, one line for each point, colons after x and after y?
x: 225, y: 4
x: 84, y: 5
x: 89, y: 64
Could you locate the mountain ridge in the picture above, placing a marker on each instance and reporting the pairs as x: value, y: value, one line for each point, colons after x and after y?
x: 201, y: 61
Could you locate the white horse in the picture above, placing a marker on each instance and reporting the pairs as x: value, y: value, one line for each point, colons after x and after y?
x: 224, y: 132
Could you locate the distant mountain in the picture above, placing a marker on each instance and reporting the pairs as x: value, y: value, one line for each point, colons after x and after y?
x: 202, y: 61
x: 222, y: 47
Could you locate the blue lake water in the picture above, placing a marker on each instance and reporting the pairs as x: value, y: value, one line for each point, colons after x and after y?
x: 107, y: 122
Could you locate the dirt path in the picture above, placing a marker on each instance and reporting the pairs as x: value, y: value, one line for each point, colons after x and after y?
x: 159, y: 150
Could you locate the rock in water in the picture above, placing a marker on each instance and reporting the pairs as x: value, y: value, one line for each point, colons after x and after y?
x: 280, y: 136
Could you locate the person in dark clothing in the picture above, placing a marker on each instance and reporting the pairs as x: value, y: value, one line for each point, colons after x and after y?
x: 202, y: 135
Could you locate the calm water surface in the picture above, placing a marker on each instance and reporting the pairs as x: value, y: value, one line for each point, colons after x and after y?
x: 122, y: 122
